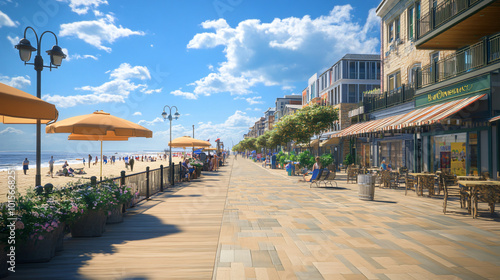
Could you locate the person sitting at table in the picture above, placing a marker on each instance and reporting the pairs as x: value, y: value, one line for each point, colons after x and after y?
x: 389, y: 166
x: 383, y: 166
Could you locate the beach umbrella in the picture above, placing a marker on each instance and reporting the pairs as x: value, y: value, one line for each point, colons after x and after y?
x: 99, y: 126
x: 186, y: 141
x: 19, y: 107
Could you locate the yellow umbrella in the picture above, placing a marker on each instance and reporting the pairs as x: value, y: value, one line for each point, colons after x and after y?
x: 99, y: 126
x: 186, y: 141
x: 19, y: 107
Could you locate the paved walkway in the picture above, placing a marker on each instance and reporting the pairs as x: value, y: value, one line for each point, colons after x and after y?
x: 249, y: 222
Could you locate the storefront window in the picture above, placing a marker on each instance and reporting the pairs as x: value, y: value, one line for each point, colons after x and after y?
x: 449, y: 153
x: 391, y: 152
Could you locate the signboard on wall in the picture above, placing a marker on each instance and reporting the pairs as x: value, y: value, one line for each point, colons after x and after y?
x: 458, y: 90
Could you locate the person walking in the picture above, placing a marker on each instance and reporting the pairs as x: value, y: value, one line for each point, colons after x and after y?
x: 131, y: 162
x: 26, y: 164
x: 90, y: 159
x: 51, y: 166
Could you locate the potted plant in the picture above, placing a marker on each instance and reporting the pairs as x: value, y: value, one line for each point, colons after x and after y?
x: 97, y: 200
x: 120, y: 195
x: 325, y: 160
x: 37, y: 228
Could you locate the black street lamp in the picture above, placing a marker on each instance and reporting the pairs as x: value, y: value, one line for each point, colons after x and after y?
x: 56, y: 57
x: 170, y: 118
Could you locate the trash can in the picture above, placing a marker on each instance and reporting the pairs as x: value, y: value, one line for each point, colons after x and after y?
x: 273, y: 162
x: 366, y: 183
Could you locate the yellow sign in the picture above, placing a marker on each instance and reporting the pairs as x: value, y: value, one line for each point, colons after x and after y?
x: 458, y: 154
x: 442, y: 94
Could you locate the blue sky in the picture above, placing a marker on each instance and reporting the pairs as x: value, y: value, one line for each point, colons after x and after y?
x: 221, y: 62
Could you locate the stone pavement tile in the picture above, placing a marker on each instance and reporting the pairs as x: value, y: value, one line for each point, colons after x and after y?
x: 237, y: 271
x: 261, y: 258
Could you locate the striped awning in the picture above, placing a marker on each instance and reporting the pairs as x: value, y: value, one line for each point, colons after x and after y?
x: 494, y: 119
x: 329, y: 142
x: 423, y: 116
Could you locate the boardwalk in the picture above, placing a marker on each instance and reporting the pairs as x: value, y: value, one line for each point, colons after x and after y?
x: 255, y: 223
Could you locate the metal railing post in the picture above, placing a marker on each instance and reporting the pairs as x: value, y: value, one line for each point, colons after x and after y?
x: 147, y: 182
x: 161, y: 178
x: 122, y: 178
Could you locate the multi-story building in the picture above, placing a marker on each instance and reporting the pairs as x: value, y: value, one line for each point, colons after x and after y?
x: 439, y: 98
x: 269, y: 119
x: 281, y: 102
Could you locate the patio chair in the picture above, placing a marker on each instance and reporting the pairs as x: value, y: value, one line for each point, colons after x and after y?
x: 410, y: 183
x: 452, y: 189
x: 352, y: 174
x: 321, y: 178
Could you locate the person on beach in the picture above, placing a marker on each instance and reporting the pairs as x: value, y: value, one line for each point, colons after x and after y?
x: 25, y: 165
x: 96, y: 159
x: 131, y: 162
x: 51, y: 166
x: 83, y: 162
x: 90, y: 159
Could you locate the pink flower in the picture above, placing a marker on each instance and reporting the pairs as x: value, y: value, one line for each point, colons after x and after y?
x: 54, y: 224
x: 40, y: 237
x: 49, y: 229
x: 19, y: 225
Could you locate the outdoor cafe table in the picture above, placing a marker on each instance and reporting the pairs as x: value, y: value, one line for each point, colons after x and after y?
x: 489, y: 190
x: 469, y: 178
x: 420, y: 182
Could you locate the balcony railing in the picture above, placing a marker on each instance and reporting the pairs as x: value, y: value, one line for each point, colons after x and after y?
x: 441, y: 14
x: 469, y: 59
x: 388, y: 99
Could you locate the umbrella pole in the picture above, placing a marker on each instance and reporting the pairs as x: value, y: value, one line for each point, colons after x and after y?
x: 101, y: 161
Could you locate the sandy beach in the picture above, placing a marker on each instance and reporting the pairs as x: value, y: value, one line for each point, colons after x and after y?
x: 24, y: 182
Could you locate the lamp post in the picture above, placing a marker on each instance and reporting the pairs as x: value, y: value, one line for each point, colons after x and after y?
x: 169, y: 117
x: 56, y: 56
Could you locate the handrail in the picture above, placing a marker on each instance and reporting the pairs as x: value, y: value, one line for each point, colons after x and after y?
x: 471, y: 58
x: 441, y: 14
x: 385, y: 100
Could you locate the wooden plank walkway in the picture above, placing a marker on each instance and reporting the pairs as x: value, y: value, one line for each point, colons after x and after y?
x: 172, y: 236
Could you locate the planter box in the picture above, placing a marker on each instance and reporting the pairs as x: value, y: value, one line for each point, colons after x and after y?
x: 34, y: 251
x: 115, y: 215
x: 60, y: 233
x: 91, y: 224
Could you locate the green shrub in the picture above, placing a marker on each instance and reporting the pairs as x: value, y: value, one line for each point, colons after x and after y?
x: 325, y: 160
x: 348, y: 160
x: 306, y: 159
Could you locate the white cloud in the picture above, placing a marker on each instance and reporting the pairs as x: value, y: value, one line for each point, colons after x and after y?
x: 125, y: 71
x: 150, y: 123
x: 13, y: 40
x: 77, y: 56
x: 6, y: 21
x: 137, y: 114
x: 11, y: 130
x: 17, y: 82
x: 81, y: 7
x: 96, y: 32
x: 254, y: 100
x: 186, y: 95
x: 232, y: 128
x: 282, y: 51
x: 116, y: 90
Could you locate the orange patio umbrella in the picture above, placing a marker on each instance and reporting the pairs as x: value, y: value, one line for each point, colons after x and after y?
x: 186, y: 141
x: 99, y: 126
x: 19, y: 107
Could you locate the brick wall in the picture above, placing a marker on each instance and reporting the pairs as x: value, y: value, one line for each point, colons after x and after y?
x: 405, y: 55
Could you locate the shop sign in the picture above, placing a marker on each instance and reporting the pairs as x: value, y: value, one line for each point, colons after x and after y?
x: 472, y: 86
x: 358, y: 111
